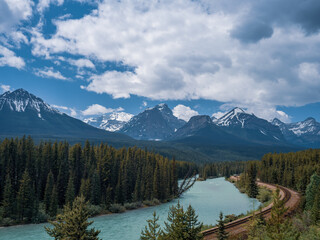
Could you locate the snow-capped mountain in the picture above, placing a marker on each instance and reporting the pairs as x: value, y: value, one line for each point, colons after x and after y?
x: 236, y: 117
x: 156, y: 123
x: 22, y: 113
x: 111, y: 122
x: 22, y: 101
x: 305, y: 133
x: 249, y: 126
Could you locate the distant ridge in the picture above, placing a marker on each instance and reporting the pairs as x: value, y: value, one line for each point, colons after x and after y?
x: 22, y: 113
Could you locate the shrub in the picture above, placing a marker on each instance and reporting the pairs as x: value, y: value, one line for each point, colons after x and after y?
x: 116, y: 208
x: 134, y: 205
x: 94, y: 209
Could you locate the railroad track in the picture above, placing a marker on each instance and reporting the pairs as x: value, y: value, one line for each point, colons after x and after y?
x: 286, y: 196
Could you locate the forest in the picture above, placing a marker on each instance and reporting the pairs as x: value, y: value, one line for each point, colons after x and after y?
x: 38, y: 180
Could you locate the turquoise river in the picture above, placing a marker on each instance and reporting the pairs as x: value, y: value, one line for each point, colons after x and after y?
x: 208, y: 198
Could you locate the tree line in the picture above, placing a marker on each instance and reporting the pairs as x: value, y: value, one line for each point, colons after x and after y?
x: 221, y: 169
x: 37, y: 180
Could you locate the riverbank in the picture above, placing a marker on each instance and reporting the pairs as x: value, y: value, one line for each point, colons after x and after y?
x: 264, y: 197
x: 94, y: 211
x: 207, y: 198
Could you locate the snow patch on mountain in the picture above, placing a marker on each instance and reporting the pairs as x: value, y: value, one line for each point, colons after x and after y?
x: 20, y: 101
x: 231, y: 118
x: 111, y: 122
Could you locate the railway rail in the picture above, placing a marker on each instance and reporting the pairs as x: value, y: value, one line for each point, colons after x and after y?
x: 290, y: 198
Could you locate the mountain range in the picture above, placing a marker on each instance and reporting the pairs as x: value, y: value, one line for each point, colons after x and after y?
x: 237, y: 135
x: 22, y: 113
x: 235, y: 127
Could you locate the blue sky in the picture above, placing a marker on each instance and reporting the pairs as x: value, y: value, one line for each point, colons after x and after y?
x: 200, y: 57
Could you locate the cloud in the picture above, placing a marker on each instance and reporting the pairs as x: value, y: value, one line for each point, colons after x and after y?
x: 9, y: 58
x: 5, y: 88
x: 13, y: 12
x: 81, y: 63
x: 198, y: 51
x: 252, y: 31
x: 70, y: 111
x: 184, y: 112
x: 44, y: 4
x: 50, y: 73
x: 97, y: 109
x: 265, y: 111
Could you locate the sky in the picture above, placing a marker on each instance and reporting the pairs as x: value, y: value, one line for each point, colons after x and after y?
x: 91, y: 57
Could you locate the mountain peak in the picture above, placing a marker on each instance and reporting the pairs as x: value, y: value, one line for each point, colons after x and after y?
x: 155, y: 123
x: 231, y: 117
x: 237, y: 110
x: 276, y: 122
x: 310, y: 120
x: 21, y: 100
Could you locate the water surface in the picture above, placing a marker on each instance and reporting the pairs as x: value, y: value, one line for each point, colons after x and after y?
x: 208, y: 198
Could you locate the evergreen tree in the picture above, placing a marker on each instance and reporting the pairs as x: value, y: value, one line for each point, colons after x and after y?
x: 54, y: 202
x: 182, y: 224
x: 48, y: 191
x: 175, y: 227
x: 152, y: 231
x: 276, y: 229
x: 252, y: 177
x: 8, y: 198
x: 312, y: 190
x: 95, y: 189
x: 222, y: 234
x: 315, y: 211
x: 70, y: 192
x: 193, y: 227
x: 25, y: 197
x: 73, y: 223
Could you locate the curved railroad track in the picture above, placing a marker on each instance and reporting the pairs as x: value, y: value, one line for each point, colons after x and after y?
x: 290, y: 198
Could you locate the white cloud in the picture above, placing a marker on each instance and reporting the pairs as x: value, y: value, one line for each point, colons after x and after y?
x: 73, y: 112
x: 189, y: 54
x: 60, y: 107
x: 81, y: 63
x: 50, y: 73
x: 5, y: 88
x: 97, y: 109
x: 184, y: 112
x: 70, y: 111
x: 44, y: 4
x: 9, y: 58
x: 309, y: 72
x: 13, y: 12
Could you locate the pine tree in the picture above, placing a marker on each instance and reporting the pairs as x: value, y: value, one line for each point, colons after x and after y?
x: 174, y: 228
x: 252, y: 176
x: 73, y: 223
x: 25, y: 197
x: 8, y: 198
x: 95, y: 189
x: 312, y: 190
x: 315, y: 211
x: 182, y: 224
x: 70, y: 192
x: 275, y: 226
x: 222, y: 234
x: 152, y: 231
x: 48, y: 191
x: 54, y: 202
x: 193, y: 227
